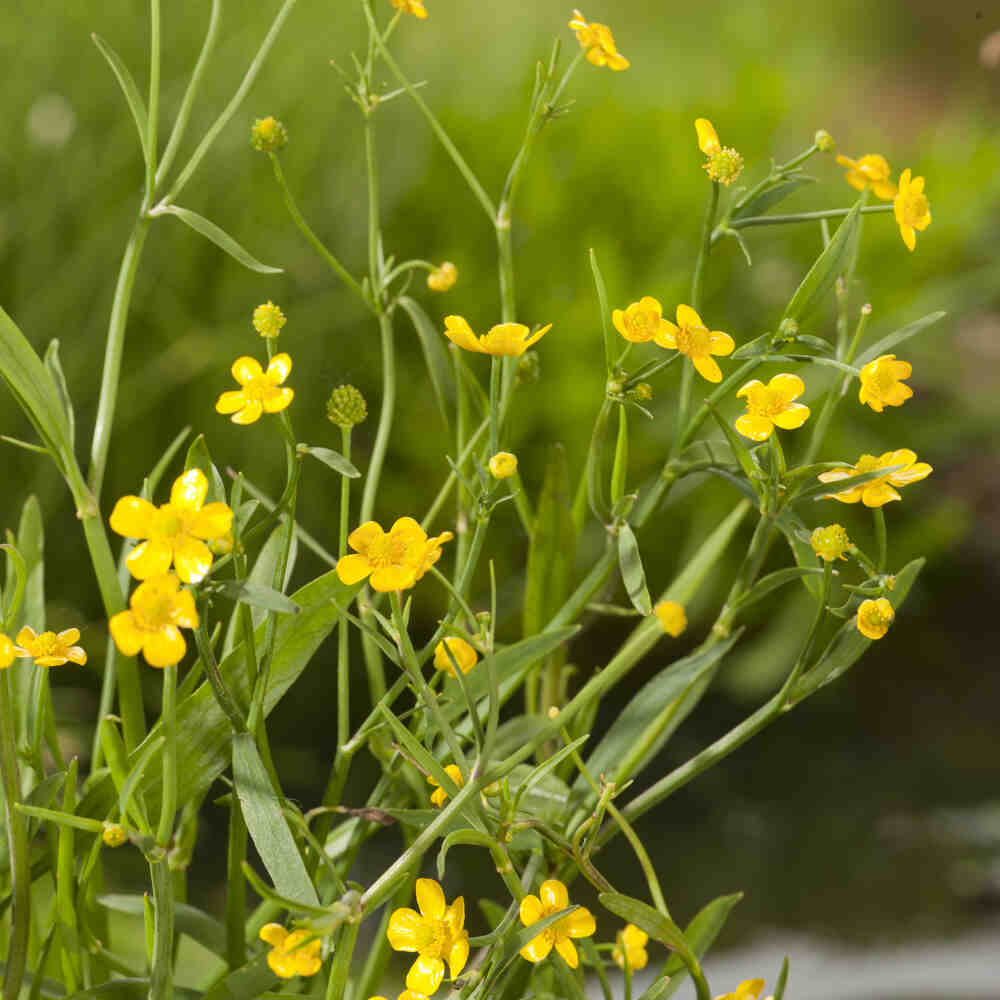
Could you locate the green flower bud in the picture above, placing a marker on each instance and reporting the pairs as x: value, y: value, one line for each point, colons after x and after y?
x: 824, y: 141
x: 346, y: 406
x: 268, y: 135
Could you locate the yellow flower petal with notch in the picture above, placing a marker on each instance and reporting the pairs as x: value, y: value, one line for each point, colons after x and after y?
x: 292, y: 952
x: 506, y: 340
x: 879, y: 491
x: 911, y: 208
x: 50, y: 649
x: 463, y: 653
x: 553, y: 897
x: 693, y: 339
x: 261, y: 390
x: 158, y: 610
x: 871, y: 170
x: 770, y: 406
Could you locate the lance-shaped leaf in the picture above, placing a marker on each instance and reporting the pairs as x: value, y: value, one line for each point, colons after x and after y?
x: 219, y: 237
x: 333, y: 459
x: 54, y: 365
x: 633, y: 575
x: 198, y: 457
x: 654, y: 923
x: 772, y: 196
x: 197, y: 924
x: 132, y: 96
x: 258, y: 595
x: 435, y: 355
x: 898, y: 337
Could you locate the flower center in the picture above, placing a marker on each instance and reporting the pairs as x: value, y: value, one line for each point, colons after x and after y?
x: 914, y: 209
x: 48, y: 644
x: 169, y: 522
x: 642, y: 324
x: 432, y: 939
x: 692, y: 340
x: 766, y: 403
x: 257, y: 388
x: 155, y: 609
x: 386, y: 551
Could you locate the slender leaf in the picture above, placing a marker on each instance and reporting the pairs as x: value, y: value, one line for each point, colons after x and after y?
x: 258, y: 595
x: 334, y: 460
x: 435, y: 355
x: 754, y: 348
x: 654, y: 923
x: 897, y: 337
x: 773, y: 581
x: 687, y: 582
x: 132, y: 96
x: 775, y: 194
x: 470, y: 838
x: 633, y: 575
x: 822, y: 491
x: 610, y: 341
x: 779, y: 989
x: 136, y: 772
x: 54, y: 365
x: 220, y: 238
x: 197, y: 924
x: 198, y: 457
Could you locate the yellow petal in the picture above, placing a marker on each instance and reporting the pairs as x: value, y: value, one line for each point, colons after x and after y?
x: 455, y: 915
x: 185, y: 614
x: 537, y: 336
x: 430, y: 899
x: 164, y: 647
x: 909, y: 236
x: 721, y: 344
x: 567, y: 950
x: 149, y: 559
x: 69, y: 636
x: 748, y: 388
x: 273, y: 934
x: 580, y: 923
x: 189, y: 491
x: 230, y: 402
x: 618, y: 321
x: 708, y: 139
x: 666, y: 335
x: 789, y: 387
x: 128, y: 637
x: 634, y: 937
x: 755, y: 427
x: 531, y: 910
x: 277, y: 400
x: 278, y: 368
x: 26, y: 636
x: 76, y: 654
x: 794, y: 415
x: 244, y: 369
x: 362, y: 537
x: 389, y: 578
x: 458, y: 955
x: 132, y: 517
x: 897, y: 395
x: 213, y: 521
x: 425, y: 975
x: 537, y: 948
x: 686, y: 316
x: 192, y: 559
x: 249, y: 414
x: 457, y: 330
x: 352, y: 569
x: 913, y: 474
x: 7, y: 652
x: 407, y: 529
x: 404, y: 925
x: 707, y: 368
x: 553, y: 895
x: 878, y: 494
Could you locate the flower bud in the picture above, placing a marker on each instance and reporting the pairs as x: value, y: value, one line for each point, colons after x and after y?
x: 114, y: 834
x: 268, y: 320
x: 642, y: 392
x: 442, y: 278
x: 346, y: 406
x: 824, y: 141
x: 788, y: 328
x: 672, y: 617
x: 529, y: 369
x: 222, y: 545
x: 268, y: 135
x: 503, y: 465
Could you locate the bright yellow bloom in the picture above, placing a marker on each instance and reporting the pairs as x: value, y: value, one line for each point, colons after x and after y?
x: 911, y: 207
x: 431, y: 552
x: 441, y: 796
x: 881, y: 382
x: 508, y: 340
x: 642, y: 321
x: 437, y: 934
x: 50, y: 649
x: 394, y: 560
x: 830, y: 543
x: 292, y: 953
x: 599, y: 43
x: 174, y: 532
x: 871, y: 169
x: 158, y: 610
x: 414, y: 7
x: 770, y: 406
x: 8, y: 652
x: 578, y: 924
x: 874, y: 618
x: 114, y: 834
x: 672, y: 617
x: 261, y: 392
x: 503, y: 465
x: 465, y: 655
x: 442, y: 278
x: 724, y: 164
x: 692, y: 338
x: 749, y: 989
x: 405, y: 995
x: 268, y: 319
x: 878, y: 491
x: 631, y: 946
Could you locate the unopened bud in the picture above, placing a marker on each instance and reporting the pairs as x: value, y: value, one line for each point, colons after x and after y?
x: 643, y: 392
x: 222, y: 545
x: 442, y: 278
x: 268, y: 320
x: 788, y: 328
x: 268, y: 135
x: 114, y: 834
x: 529, y: 368
x: 346, y: 406
x: 824, y: 141
x: 503, y: 465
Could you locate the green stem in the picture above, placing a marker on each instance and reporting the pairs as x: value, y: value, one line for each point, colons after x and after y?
x: 343, y: 634
x: 236, y: 887
x: 881, y: 544
x: 374, y: 250
x: 168, y: 717
x: 337, y: 983
x: 496, y: 369
x: 153, y: 114
x: 161, y: 975
x: 782, y: 220
x: 223, y: 696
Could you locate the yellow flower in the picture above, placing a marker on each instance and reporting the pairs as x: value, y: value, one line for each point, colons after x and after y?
x: 724, y: 164
x: 437, y: 933
x: 599, y: 43
x: 770, y: 406
x: 508, y: 340
x: 8, y: 652
x: 50, y: 649
x: 749, y: 989
x: 631, y: 946
x: 874, y: 618
x: 114, y: 834
x: 442, y: 278
x: 405, y: 995
x: 174, y: 532
x: 431, y: 552
x: 394, y: 560
x: 578, y: 924
x: 881, y: 382
x: 503, y: 465
x: 268, y: 319
x: 692, y: 338
x: 878, y: 491
x: 642, y: 321
x: 912, y: 210
x: 672, y: 618
x: 871, y: 169
x: 830, y: 543
x: 465, y: 656
x: 158, y: 610
x: 292, y: 953
x: 441, y: 796
x: 414, y: 7
x: 260, y: 392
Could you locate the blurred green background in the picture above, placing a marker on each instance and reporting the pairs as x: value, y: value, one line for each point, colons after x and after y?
x: 832, y: 820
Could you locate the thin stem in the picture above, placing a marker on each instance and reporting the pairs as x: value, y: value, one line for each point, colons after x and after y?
x: 153, y: 117
x: 881, y: 544
x: 782, y: 220
x: 374, y: 228
x: 236, y: 887
x: 161, y: 975
x: 168, y: 717
x: 385, y: 418
x: 223, y: 695
x: 496, y: 369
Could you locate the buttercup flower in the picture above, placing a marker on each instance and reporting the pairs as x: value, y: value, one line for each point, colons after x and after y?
x: 437, y: 934
x: 578, y: 924
x: 672, y: 618
x: 405, y: 995
x: 830, y: 543
x: 503, y: 465
x: 441, y: 796
x: 392, y: 560
x: 870, y: 170
x: 599, y: 43
x: 749, y: 989
x: 642, y: 321
x: 507, y: 340
x: 174, y: 532
x: 770, y: 406
x: 442, y: 278
x: 50, y: 649
x: 911, y: 208
x: 724, y: 163
x: 268, y: 319
x: 881, y: 382
x: 268, y: 135
x: 8, y: 652
x: 631, y: 946
x: 292, y: 953
x: 691, y: 337
x: 431, y: 552
x: 465, y: 655
x: 261, y: 392
x: 414, y: 7
x: 114, y: 834
x: 878, y: 491
x: 874, y: 618
x: 158, y: 610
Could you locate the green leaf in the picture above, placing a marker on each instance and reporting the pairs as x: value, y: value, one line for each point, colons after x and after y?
x: 820, y: 491
x: 132, y: 96
x: 773, y: 581
x: 610, y: 343
x: 136, y: 772
x: 779, y: 989
x: 334, y: 460
x: 198, y: 457
x: 267, y: 825
x: 197, y: 924
x: 633, y: 575
x: 435, y: 355
x: 54, y: 365
x: 649, y: 719
x: 805, y: 359
x: 540, y: 793
x: 471, y: 838
x: 775, y: 194
x: 753, y: 348
x: 831, y: 263
x: 220, y: 238
x: 654, y: 923
x: 748, y: 463
x: 904, y: 333
x: 256, y: 594
x: 129, y: 989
